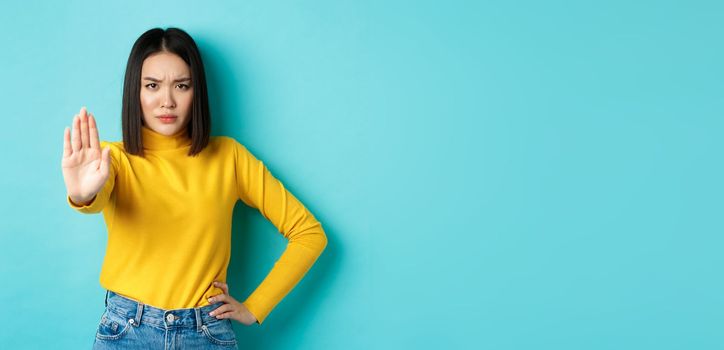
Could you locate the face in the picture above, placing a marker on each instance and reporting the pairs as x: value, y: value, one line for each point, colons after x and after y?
x: 166, y: 90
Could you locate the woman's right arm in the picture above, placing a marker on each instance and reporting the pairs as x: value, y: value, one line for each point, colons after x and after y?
x: 86, y: 167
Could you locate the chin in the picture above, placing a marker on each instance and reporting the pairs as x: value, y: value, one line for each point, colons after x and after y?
x: 166, y: 129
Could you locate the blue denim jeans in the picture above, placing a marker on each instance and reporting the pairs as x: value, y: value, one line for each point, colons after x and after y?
x: 128, y: 324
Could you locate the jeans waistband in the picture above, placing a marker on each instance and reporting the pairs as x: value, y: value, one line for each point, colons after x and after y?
x: 139, y: 313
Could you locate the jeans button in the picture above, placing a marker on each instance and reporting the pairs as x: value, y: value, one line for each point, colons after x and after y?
x: 169, y: 318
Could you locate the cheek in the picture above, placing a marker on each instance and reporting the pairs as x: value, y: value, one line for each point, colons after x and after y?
x: 188, y: 99
x: 146, y: 100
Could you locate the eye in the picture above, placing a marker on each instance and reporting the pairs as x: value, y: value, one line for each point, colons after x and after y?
x: 148, y: 85
x: 185, y: 87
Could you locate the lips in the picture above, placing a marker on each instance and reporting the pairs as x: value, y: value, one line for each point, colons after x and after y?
x: 167, y: 118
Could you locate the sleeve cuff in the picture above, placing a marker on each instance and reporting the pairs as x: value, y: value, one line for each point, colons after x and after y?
x: 79, y: 207
x: 256, y: 309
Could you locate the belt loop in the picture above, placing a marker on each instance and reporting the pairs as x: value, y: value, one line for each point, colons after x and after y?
x: 139, y: 312
x: 106, y: 298
x: 198, y: 319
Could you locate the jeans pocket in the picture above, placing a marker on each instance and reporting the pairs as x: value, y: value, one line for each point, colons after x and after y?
x: 112, y: 326
x: 220, y: 333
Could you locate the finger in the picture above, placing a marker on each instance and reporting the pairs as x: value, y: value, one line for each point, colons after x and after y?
x: 222, y: 309
x: 229, y: 314
x: 93, y: 129
x: 67, y: 151
x: 223, y: 287
x: 76, y: 134
x: 84, y: 128
x: 219, y: 298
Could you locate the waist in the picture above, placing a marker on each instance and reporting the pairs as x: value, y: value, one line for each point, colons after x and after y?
x: 164, y: 318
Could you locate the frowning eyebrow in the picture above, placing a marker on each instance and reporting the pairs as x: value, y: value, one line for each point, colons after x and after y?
x: 158, y: 81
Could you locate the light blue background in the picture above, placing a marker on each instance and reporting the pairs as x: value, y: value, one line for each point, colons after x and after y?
x: 491, y: 175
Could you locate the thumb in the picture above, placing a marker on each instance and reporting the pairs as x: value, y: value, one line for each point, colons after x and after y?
x: 105, y: 160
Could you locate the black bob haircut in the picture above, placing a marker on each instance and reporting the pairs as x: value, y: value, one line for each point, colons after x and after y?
x: 176, y: 41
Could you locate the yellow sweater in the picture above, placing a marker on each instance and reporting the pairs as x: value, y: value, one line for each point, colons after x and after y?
x: 169, y: 222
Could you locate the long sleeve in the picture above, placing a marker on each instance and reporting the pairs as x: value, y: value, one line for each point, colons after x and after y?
x: 101, y: 199
x: 259, y: 189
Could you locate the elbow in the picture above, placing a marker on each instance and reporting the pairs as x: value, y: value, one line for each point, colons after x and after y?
x: 313, y: 239
x: 322, y: 241
x: 318, y: 240
x: 311, y: 236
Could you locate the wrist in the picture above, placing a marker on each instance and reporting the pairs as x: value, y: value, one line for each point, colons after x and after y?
x: 80, y: 201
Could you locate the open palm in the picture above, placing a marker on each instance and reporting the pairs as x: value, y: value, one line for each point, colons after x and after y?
x: 85, y: 165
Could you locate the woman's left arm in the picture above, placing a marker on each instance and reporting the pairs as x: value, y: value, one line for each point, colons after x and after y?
x: 258, y: 188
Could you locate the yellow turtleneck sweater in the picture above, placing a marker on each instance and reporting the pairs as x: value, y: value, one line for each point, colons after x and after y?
x: 169, y: 222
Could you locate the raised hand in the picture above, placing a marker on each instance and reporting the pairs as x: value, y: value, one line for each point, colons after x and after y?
x: 85, y: 165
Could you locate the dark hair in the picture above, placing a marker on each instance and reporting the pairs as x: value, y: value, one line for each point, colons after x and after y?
x: 176, y: 41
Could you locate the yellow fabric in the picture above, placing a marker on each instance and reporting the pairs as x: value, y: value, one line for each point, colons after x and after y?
x: 169, y: 222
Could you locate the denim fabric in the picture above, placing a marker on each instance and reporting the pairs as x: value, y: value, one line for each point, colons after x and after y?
x: 128, y: 324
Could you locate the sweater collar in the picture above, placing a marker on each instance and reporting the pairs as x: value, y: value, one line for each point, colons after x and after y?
x: 155, y: 141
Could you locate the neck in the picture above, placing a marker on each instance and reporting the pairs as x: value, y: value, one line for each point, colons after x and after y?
x: 153, y: 140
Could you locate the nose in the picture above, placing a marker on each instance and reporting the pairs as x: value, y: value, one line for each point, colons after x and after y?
x: 168, y: 100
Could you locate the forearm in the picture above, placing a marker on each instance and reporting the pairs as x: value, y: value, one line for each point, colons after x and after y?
x: 294, y: 263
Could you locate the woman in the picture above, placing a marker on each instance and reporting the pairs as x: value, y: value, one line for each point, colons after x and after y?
x: 167, y: 193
